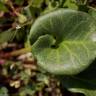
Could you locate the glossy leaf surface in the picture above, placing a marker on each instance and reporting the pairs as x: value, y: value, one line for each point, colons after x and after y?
x: 64, y: 41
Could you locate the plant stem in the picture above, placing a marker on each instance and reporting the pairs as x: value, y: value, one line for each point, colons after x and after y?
x: 20, y: 51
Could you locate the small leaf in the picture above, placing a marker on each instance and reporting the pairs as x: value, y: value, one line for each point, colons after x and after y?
x: 10, y: 34
x: 21, y: 18
x: 3, y: 7
x: 3, y: 91
x: 92, y: 12
x: 37, y: 3
x: 70, y: 4
x: 19, y: 2
x: 7, y: 36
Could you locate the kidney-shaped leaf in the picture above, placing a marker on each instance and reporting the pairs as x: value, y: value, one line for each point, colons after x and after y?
x: 63, y: 41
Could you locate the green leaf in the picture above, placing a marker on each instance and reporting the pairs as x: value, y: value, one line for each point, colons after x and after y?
x: 53, y: 5
x: 3, y: 7
x: 7, y: 35
x: 22, y: 18
x: 64, y: 41
x: 85, y: 82
x: 37, y: 3
x: 19, y: 2
x: 78, y: 85
x: 92, y: 12
x: 3, y: 91
x: 11, y: 34
x: 70, y: 4
x: 27, y: 90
